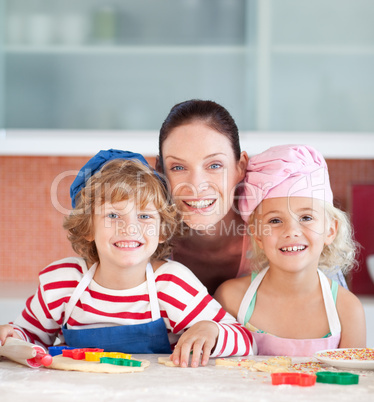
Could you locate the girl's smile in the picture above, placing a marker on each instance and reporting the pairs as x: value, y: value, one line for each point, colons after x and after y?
x: 293, y: 249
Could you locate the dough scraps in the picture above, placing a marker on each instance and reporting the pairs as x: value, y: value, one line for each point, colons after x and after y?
x: 235, y: 362
x: 277, y: 364
x: 270, y: 368
x: 66, y: 363
x: 166, y: 361
x: 280, y: 360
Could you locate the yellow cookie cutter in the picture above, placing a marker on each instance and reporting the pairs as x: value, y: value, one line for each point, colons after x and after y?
x: 95, y: 356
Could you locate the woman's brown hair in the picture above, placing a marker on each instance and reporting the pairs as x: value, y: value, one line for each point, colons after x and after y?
x: 210, y: 113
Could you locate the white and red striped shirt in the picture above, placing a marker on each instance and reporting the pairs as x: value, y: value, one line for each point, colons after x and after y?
x: 183, y: 301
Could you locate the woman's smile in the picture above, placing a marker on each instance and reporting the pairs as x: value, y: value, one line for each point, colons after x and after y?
x: 200, y: 206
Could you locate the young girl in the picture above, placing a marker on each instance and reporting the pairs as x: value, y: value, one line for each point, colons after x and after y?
x: 290, y: 306
x: 121, y: 294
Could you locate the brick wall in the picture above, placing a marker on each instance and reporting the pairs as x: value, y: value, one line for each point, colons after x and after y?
x: 31, y: 234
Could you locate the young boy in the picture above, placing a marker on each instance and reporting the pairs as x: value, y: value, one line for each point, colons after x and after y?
x: 121, y: 294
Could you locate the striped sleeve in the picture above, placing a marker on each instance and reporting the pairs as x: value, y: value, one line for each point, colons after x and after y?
x: 184, y: 300
x: 34, y: 325
x: 233, y: 340
x: 41, y: 320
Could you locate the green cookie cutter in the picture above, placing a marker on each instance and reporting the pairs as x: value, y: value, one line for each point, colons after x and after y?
x: 329, y: 377
x: 121, y: 362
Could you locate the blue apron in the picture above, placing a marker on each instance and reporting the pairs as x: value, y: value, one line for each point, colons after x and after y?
x: 151, y: 337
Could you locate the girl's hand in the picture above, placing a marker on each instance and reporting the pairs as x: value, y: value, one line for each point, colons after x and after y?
x: 7, y: 331
x: 201, y: 337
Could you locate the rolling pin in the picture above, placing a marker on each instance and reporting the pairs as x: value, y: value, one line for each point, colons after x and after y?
x: 25, y: 353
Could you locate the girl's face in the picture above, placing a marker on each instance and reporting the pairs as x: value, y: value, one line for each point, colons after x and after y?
x: 200, y: 166
x: 125, y: 235
x: 292, y: 231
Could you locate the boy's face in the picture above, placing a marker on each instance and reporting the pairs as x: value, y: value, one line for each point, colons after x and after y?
x: 125, y: 235
x: 293, y: 231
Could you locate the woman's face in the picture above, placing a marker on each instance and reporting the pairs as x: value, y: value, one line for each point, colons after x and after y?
x: 200, y: 166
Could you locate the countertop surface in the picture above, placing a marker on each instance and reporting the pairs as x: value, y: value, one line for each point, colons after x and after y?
x: 161, y: 383
x: 338, y: 145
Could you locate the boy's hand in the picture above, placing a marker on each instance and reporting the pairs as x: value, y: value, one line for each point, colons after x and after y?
x: 7, y: 331
x: 201, y: 337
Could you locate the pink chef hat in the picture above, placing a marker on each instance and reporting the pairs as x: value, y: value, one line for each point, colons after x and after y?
x: 284, y: 171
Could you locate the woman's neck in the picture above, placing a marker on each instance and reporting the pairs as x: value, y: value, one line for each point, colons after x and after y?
x: 216, y: 236
x: 214, y: 256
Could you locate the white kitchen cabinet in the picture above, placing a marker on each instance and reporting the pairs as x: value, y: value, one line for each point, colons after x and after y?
x: 277, y: 65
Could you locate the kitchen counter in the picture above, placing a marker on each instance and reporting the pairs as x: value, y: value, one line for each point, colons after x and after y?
x: 161, y: 383
x: 333, y: 145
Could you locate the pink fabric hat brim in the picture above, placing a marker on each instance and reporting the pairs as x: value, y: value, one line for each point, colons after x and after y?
x: 284, y: 171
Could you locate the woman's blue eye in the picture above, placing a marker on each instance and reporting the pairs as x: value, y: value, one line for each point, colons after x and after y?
x: 215, y: 166
x: 112, y: 215
x: 144, y: 216
x: 306, y: 218
x: 177, y: 168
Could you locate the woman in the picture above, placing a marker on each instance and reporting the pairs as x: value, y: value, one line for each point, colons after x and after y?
x: 200, y: 156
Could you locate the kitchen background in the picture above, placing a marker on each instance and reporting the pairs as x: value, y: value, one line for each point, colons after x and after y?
x: 77, y: 77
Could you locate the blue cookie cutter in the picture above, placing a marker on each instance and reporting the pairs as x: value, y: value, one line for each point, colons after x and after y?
x: 57, y: 350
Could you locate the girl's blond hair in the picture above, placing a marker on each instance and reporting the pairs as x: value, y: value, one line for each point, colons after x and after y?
x: 339, y: 255
x: 120, y: 180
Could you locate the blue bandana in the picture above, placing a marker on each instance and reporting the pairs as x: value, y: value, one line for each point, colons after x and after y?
x: 95, y: 163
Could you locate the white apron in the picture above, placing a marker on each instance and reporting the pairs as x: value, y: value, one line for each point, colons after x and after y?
x: 271, y: 345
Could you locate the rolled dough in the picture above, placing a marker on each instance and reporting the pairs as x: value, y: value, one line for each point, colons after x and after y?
x: 66, y: 363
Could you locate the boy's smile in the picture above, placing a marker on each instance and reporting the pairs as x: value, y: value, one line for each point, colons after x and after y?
x: 128, y: 244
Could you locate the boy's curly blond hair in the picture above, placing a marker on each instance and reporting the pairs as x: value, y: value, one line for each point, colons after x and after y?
x: 120, y: 180
x: 339, y: 255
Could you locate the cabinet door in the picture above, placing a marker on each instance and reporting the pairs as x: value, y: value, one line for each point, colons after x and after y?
x: 125, y: 65
x: 316, y: 65
x: 363, y: 222
x: 277, y: 65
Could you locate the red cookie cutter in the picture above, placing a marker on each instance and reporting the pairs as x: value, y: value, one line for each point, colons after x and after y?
x: 79, y: 354
x: 302, y: 379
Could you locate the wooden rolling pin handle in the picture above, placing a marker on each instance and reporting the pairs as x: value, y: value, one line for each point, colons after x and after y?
x: 25, y: 353
x: 16, y: 348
